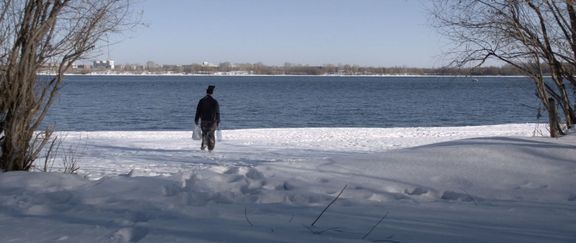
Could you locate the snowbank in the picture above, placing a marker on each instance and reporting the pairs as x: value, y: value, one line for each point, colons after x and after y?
x: 450, y: 184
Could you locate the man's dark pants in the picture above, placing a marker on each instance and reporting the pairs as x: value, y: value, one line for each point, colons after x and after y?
x: 208, y: 134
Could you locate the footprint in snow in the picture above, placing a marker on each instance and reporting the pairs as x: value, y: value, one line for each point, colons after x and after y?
x: 457, y: 196
x: 128, y: 234
x: 531, y: 185
x: 417, y: 191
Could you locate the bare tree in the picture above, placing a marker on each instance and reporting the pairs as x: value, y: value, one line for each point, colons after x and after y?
x: 532, y: 36
x: 39, y: 33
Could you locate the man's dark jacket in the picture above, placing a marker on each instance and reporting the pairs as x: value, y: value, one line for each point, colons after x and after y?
x: 208, y: 111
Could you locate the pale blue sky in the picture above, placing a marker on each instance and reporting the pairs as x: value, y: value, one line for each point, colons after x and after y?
x: 313, y: 32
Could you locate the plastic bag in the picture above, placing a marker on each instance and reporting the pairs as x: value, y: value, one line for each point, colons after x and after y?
x: 218, y: 135
x: 197, y: 133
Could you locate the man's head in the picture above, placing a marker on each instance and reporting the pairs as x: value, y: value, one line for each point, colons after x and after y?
x: 210, y: 89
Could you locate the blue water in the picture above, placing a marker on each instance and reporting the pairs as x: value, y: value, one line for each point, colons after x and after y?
x: 168, y: 102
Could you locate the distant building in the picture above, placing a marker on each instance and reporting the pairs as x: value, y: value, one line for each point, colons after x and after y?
x: 207, y: 64
x: 83, y: 66
x: 105, y: 64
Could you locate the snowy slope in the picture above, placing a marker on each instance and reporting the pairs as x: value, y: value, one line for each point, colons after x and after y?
x: 450, y: 184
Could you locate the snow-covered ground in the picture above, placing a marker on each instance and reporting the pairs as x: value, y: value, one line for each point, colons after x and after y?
x: 448, y: 184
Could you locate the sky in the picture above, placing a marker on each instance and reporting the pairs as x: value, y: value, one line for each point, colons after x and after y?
x: 382, y: 33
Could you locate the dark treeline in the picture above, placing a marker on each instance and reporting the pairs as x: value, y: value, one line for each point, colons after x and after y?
x: 295, y: 69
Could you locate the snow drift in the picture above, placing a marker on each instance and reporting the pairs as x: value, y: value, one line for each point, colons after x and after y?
x: 452, y: 184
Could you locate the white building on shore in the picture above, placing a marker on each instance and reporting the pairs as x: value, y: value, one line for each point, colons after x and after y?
x: 106, y: 64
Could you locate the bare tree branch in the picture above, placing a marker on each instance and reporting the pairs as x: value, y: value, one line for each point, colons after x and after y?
x: 529, y: 35
x: 35, y: 33
x: 330, y: 204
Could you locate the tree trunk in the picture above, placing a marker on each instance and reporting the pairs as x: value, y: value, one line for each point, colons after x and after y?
x: 552, y: 118
x: 37, y: 32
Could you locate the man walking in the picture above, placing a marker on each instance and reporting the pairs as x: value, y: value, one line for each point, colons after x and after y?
x: 208, y: 114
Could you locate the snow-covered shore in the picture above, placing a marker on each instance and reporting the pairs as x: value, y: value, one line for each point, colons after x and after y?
x: 236, y: 74
x: 446, y: 184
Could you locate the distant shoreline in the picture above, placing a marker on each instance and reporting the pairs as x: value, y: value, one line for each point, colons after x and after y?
x: 278, y: 75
